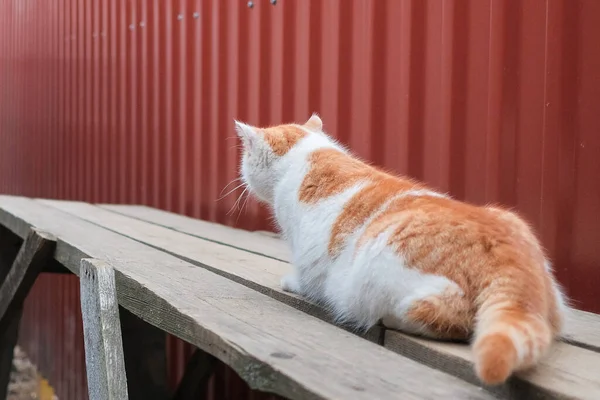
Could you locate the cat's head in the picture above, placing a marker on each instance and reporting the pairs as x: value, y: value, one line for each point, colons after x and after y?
x: 265, y: 150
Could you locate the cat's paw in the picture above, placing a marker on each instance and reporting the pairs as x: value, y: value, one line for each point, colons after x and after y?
x: 290, y: 283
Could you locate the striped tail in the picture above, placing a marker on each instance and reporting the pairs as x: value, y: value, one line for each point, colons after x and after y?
x: 508, y: 338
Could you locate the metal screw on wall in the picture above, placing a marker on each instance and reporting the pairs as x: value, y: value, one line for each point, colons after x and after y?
x: 179, y: 17
x: 273, y: 2
x: 250, y: 4
x: 196, y: 15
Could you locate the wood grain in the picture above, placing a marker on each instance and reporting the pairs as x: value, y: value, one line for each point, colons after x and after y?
x: 568, y: 372
x: 104, y: 360
x: 272, y: 346
x: 253, y: 242
x: 582, y: 328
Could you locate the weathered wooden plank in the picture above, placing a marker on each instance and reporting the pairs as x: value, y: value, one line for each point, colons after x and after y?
x: 34, y: 254
x: 105, y: 364
x: 582, y: 328
x: 253, y: 242
x: 194, y: 383
x: 272, y: 346
x: 448, y: 361
x: 568, y: 372
x: 257, y: 272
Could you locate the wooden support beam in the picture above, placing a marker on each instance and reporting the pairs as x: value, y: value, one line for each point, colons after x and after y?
x: 35, y: 252
x: 198, y: 371
x: 104, y: 359
x: 17, y: 280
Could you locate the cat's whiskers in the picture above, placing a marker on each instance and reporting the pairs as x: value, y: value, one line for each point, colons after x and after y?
x: 235, y: 205
x: 245, y: 204
x: 242, y: 208
x: 231, y: 191
x: 239, y: 178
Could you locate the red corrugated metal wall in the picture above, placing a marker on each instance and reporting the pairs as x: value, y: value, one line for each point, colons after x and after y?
x: 133, y: 101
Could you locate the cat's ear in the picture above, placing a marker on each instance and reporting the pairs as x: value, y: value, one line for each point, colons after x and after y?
x: 246, y: 132
x: 314, y: 123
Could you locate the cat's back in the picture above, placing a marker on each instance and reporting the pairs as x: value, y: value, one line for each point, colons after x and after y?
x: 436, y: 234
x: 344, y: 202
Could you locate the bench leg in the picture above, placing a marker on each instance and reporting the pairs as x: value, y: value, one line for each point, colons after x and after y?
x: 195, y: 379
x: 125, y: 356
x: 105, y: 365
x: 19, y: 268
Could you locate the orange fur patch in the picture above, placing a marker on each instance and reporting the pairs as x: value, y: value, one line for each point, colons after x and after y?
x: 465, y: 243
x: 331, y: 172
x: 450, y: 316
x: 391, y: 216
x: 363, y: 205
x: 283, y: 137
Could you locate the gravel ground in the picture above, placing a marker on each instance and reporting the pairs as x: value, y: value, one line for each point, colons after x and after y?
x: 25, y: 381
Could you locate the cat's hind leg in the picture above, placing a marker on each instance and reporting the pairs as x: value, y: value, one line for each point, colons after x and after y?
x: 446, y: 315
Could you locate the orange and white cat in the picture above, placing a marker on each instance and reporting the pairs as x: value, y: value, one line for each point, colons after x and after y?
x: 373, y: 246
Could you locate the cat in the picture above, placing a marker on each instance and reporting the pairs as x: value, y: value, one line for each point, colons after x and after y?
x: 377, y: 247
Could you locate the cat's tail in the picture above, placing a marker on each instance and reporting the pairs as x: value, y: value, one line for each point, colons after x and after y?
x: 509, y: 336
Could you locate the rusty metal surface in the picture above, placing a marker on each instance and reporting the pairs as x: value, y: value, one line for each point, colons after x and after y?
x: 133, y: 101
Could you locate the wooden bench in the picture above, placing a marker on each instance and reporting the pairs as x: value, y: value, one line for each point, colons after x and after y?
x: 144, y: 272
